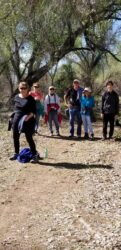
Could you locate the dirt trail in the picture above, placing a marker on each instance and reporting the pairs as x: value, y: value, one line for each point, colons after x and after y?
x: 70, y: 201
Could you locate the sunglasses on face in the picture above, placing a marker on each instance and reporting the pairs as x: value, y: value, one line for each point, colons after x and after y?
x: 23, y: 88
x: 52, y: 89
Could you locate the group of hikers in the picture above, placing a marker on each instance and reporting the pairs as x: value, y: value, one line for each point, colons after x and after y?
x: 29, y: 105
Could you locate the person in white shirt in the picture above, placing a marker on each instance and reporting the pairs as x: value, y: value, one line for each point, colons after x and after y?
x: 52, y: 109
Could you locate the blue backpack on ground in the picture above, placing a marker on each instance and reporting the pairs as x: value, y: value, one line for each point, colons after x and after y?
x: 25, y: 155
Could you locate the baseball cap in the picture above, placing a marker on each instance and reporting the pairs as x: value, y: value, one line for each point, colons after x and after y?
x: 76, y: 81
x: 87, y: 89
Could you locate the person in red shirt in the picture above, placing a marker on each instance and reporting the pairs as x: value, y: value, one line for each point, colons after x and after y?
x: 38, y: 96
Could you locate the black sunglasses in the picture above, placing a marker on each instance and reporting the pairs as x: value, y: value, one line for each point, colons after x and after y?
x: 52, y: 89
x: 23, y: 88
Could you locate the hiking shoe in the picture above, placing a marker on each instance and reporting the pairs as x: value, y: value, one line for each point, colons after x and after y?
x: 86, y: 136
x: 79, y: 136
x: 58, y: 134
x: 38, y: 155
x: 104, y: 138
x: 71, y: 136
x: 111, y: 138
x: 91, y: 136
x: 14, y: 157
x: 35, y: 159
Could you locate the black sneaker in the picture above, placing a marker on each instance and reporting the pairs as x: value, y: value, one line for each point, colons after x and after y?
x: 38, y: 155
x: 35, y: 158
x: 58, y: 134
x: 14, y: 157
x: 111, y: 138
x: 92, y: 136
x: 104, y: 138
x: 79, y: 136
x: 71, y: 136
x: 86, y: 136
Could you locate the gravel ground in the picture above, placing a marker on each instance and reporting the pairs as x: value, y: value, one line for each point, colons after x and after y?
x: 69, y: 201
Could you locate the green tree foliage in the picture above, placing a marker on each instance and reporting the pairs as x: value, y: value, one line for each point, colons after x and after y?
x: 64, y: 77
x: 51, y: 29
x: 92, y: 62
x: 113, y: 69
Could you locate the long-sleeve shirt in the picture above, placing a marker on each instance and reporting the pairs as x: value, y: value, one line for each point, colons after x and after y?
x: 53, y: 101
x: 87, y: 103
x: 110, y: 103
x: 24, y: 106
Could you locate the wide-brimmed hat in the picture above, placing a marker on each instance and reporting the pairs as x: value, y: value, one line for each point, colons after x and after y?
x: 87, y: 89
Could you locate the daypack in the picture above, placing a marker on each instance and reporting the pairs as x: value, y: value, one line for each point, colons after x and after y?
x: 25, y: 155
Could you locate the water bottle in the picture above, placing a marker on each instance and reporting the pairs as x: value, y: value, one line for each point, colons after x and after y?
x: 46, y: 153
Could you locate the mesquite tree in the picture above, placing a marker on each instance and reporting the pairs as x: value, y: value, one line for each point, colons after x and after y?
x: 49, y: 29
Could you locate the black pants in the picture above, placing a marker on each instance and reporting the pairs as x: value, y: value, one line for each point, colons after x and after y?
x: 28, y: 133
x: 108, y: 118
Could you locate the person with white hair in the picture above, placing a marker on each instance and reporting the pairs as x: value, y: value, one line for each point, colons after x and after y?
x: 87, y: 104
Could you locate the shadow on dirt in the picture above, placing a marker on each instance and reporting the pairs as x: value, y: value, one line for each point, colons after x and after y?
x: 118, y: 139
x: 75, y: 166
x: 62, y: 137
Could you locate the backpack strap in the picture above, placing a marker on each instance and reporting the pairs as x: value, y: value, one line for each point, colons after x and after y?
x: 54, y: 98
x: 49, y: 99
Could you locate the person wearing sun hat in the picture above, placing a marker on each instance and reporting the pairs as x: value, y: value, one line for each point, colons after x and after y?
x: 52, y: 110
x: 87, y: 104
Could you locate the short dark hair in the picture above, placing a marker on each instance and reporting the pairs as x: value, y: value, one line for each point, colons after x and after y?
x: 23, y: 84
x: 109, y: 82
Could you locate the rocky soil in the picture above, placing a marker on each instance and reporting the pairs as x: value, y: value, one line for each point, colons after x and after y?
x: 68, y: 201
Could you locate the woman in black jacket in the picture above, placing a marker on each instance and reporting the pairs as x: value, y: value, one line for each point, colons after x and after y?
x: 24, y: 120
